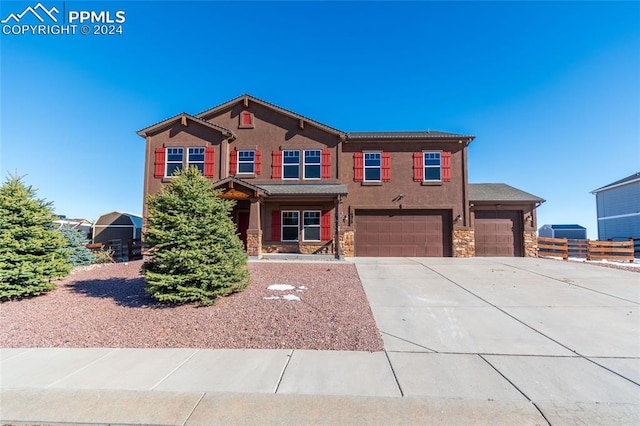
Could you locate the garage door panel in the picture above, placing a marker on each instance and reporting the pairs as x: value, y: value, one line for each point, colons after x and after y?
x: 403, y: 233
x: 498, y: 233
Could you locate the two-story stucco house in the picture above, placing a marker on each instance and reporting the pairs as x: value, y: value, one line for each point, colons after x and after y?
x: 304, y: 187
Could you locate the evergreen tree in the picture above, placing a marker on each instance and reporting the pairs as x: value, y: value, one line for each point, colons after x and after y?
x: 79, y: 254
x: 197, y: 255
x: 32, y: 251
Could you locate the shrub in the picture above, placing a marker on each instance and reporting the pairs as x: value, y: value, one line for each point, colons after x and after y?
x: 104, y: 256
x: 197, y: 255
x: 79, y: 254
x: 32, y: 251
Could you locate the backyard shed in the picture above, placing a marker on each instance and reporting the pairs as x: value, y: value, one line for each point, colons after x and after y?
x: 571, y: 232
x: 115, y: 229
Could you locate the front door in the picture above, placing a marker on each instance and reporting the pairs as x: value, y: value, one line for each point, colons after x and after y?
x: 243, y: 225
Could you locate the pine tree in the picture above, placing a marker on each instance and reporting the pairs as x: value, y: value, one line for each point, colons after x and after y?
x: 32, y: 251
x: 197, y: 255
x: 79, y: 254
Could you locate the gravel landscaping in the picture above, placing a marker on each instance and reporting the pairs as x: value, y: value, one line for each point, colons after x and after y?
x: 106, y: 306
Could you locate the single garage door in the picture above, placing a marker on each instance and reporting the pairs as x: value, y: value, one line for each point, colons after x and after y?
x: 410, y: 233
x: 498, y: 233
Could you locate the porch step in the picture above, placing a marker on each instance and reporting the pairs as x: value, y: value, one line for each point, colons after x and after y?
x: 298, y: 257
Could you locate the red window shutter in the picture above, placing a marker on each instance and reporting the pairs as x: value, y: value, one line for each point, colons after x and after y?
x: 326, y: 164
x: 161, y: 155
x: 276, y: 165
x: 418, y: 166
x: 275, y: 225
x: 358, y: 167
x: 386, y: 166
x: 233, y: 162
x: 325, y: 225
x: 209, y: 159
x: 258, y: 161
x: 446, y: 166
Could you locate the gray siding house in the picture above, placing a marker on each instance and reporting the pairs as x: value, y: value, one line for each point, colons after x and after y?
x: 618, y: 209
x: 572, y: 232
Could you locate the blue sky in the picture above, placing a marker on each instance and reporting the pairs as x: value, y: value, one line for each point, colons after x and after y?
x: 551, y: 90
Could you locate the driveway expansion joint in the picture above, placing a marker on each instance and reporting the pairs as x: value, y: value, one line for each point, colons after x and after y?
x: 516, y: 388
x: 284, y: 368
x: 395, y: 377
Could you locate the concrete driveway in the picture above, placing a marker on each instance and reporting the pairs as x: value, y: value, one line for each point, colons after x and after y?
x: 564, y: 336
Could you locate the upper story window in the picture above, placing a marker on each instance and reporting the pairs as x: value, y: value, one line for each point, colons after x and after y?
x: 312, y: 163
x: 432, y: 167
x: 175, y: 159
x: 432, y: 163
x: 196, y: 158
x: 246, y: 161
x: 169, y: 159
x: 308, y: 164
x: 372, y: 166
x: 291, y: 164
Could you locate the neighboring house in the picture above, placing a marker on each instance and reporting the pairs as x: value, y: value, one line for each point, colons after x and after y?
x: 82, y: 225
x: 571, y: 232
x: 115, y: 229
x: 302, y: 186
x: 618, y: 209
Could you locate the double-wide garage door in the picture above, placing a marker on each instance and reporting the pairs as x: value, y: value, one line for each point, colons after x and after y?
x: 498, y: 233
x: 410, y: 233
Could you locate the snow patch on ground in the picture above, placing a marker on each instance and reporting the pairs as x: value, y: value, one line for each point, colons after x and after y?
x: 635, y: 264
x: 285, y: 287
x: 291, y: 297
x: 280, y: 287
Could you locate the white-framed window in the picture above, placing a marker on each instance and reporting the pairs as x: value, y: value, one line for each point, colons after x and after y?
x: 175, y: 159
x: 290, y: 225
x: 372, y: 166
x: 195, y: 158
x: 246, y: 161
x: 311, y: 226
x: 312, y: 163
x: 291, y: 164
x: 432, y: 164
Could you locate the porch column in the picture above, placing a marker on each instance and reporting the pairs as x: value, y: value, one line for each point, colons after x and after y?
x: 336, y: 234
x: 254, y: 232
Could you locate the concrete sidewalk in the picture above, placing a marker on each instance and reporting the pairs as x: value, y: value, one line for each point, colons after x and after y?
x: 184, y: 386
x: 467, y: 341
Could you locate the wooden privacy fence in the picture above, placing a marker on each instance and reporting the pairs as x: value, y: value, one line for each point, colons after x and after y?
x: 135, y: 248
x: 553, y: 247
x: 593, y: 249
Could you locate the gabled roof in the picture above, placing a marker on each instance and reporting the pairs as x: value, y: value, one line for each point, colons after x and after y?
x: 273, y: 107
x: 428, y: 134
x: 135, y: 219
x: 629, y: 179
x: 500, y: 192
x: 564, y: 226
x: 184, y: 116
x: 297, y: 189
x: 240, y: 182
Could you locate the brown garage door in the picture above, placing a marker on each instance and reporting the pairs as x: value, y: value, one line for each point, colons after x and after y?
x: 411, y: 233
x: 498, y: 233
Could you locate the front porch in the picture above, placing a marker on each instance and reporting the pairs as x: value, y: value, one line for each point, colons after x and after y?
x: 285, y: 218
